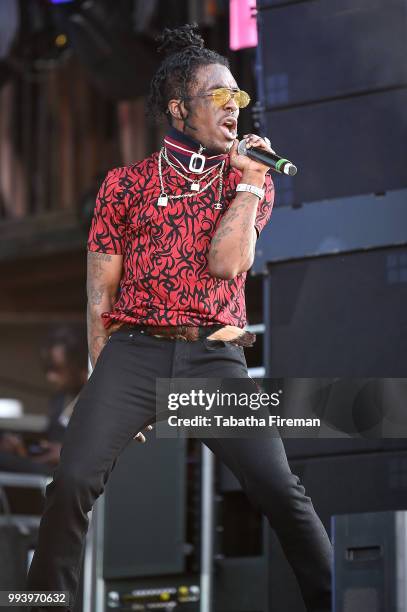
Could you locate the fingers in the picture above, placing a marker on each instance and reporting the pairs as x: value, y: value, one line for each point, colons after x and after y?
x: 252, y: 140
x: 141, y: 437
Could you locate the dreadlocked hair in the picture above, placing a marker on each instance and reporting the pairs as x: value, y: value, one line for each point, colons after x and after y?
x: 184, y: 53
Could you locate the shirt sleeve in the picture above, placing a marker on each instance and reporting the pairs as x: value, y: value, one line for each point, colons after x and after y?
x: 107, y: 231
x: 265, y: 205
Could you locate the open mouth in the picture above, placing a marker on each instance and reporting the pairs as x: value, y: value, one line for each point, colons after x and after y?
x: 229, y: 128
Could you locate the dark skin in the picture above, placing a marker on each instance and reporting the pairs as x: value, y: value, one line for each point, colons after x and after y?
x: 232, y: 247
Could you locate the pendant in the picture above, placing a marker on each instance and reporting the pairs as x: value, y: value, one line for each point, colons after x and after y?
x: 197, y: 161
x: 218, y: 206
x: 162, y: 200
x: 195, y: 186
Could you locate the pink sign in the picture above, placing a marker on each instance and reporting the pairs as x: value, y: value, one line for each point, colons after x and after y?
x: 243, y: 24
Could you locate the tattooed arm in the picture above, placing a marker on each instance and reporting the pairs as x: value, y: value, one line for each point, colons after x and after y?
x: 233, y: 244
x: 103, y: 278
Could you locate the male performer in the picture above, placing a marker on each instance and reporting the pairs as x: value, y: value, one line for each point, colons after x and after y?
x: 171, y: 240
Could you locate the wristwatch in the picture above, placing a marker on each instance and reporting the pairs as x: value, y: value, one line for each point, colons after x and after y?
x: 251, y: 189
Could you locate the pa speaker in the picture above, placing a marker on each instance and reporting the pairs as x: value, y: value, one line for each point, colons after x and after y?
x: 341, y: 485
x: 370, y: 552
x: 336, y: 110
x: 340, y: 315
x: 145, y: 511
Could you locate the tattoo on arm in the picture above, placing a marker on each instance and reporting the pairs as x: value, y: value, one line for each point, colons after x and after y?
x: 95, y: 294
x: 239, y: 210
x: 96, y: 341
x: 95, y: 271
x: 95, y: 263
x: 96, y: 290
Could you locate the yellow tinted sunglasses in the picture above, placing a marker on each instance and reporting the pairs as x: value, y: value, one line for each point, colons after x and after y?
x: 222, y: 95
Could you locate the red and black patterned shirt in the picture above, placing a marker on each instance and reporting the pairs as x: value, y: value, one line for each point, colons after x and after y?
x: 165, y: 278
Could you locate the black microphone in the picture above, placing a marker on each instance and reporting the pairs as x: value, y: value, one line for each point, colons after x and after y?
x: 272, y: 160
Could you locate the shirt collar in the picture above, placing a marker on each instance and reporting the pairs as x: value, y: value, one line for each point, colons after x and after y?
x: 181, y: 147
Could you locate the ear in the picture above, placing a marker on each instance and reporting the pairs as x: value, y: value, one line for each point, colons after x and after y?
x: 176, y: 109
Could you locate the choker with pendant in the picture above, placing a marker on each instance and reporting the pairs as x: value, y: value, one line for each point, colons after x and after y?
x: 189, y: 154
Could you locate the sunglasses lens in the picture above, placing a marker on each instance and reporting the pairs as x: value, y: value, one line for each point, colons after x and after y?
x: 242, y: 99
x: 221, y: 96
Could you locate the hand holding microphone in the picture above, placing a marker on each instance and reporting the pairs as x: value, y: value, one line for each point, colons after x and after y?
x: 268, y: 158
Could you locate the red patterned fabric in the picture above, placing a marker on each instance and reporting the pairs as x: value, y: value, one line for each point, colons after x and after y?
x: 165, y: 278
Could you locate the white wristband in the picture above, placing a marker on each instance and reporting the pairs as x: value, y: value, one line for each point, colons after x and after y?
x: 251, y: 189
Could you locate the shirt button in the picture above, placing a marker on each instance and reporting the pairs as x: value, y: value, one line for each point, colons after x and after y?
x: 130, y: 335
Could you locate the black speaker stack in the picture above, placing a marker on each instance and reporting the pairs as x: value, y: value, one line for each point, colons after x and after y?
x: 332, y: 97
x: 332, y: 84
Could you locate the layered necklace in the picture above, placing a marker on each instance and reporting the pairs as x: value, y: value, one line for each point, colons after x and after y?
x: 175, y: 141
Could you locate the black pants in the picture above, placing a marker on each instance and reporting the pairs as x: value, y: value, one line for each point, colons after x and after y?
x: 117, y: 401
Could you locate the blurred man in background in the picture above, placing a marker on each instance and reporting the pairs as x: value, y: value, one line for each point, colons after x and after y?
x: 65, y: 359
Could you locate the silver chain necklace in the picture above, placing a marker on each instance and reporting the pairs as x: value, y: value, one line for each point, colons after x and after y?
x: 164, y: 197
x: 195, y: 183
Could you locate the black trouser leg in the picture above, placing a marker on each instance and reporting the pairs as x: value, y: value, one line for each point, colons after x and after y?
x: 262, y: 469
x: 261, y: 466
x: 118, y: 399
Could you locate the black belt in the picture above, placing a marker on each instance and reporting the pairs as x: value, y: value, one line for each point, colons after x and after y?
x: 189, y: 333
